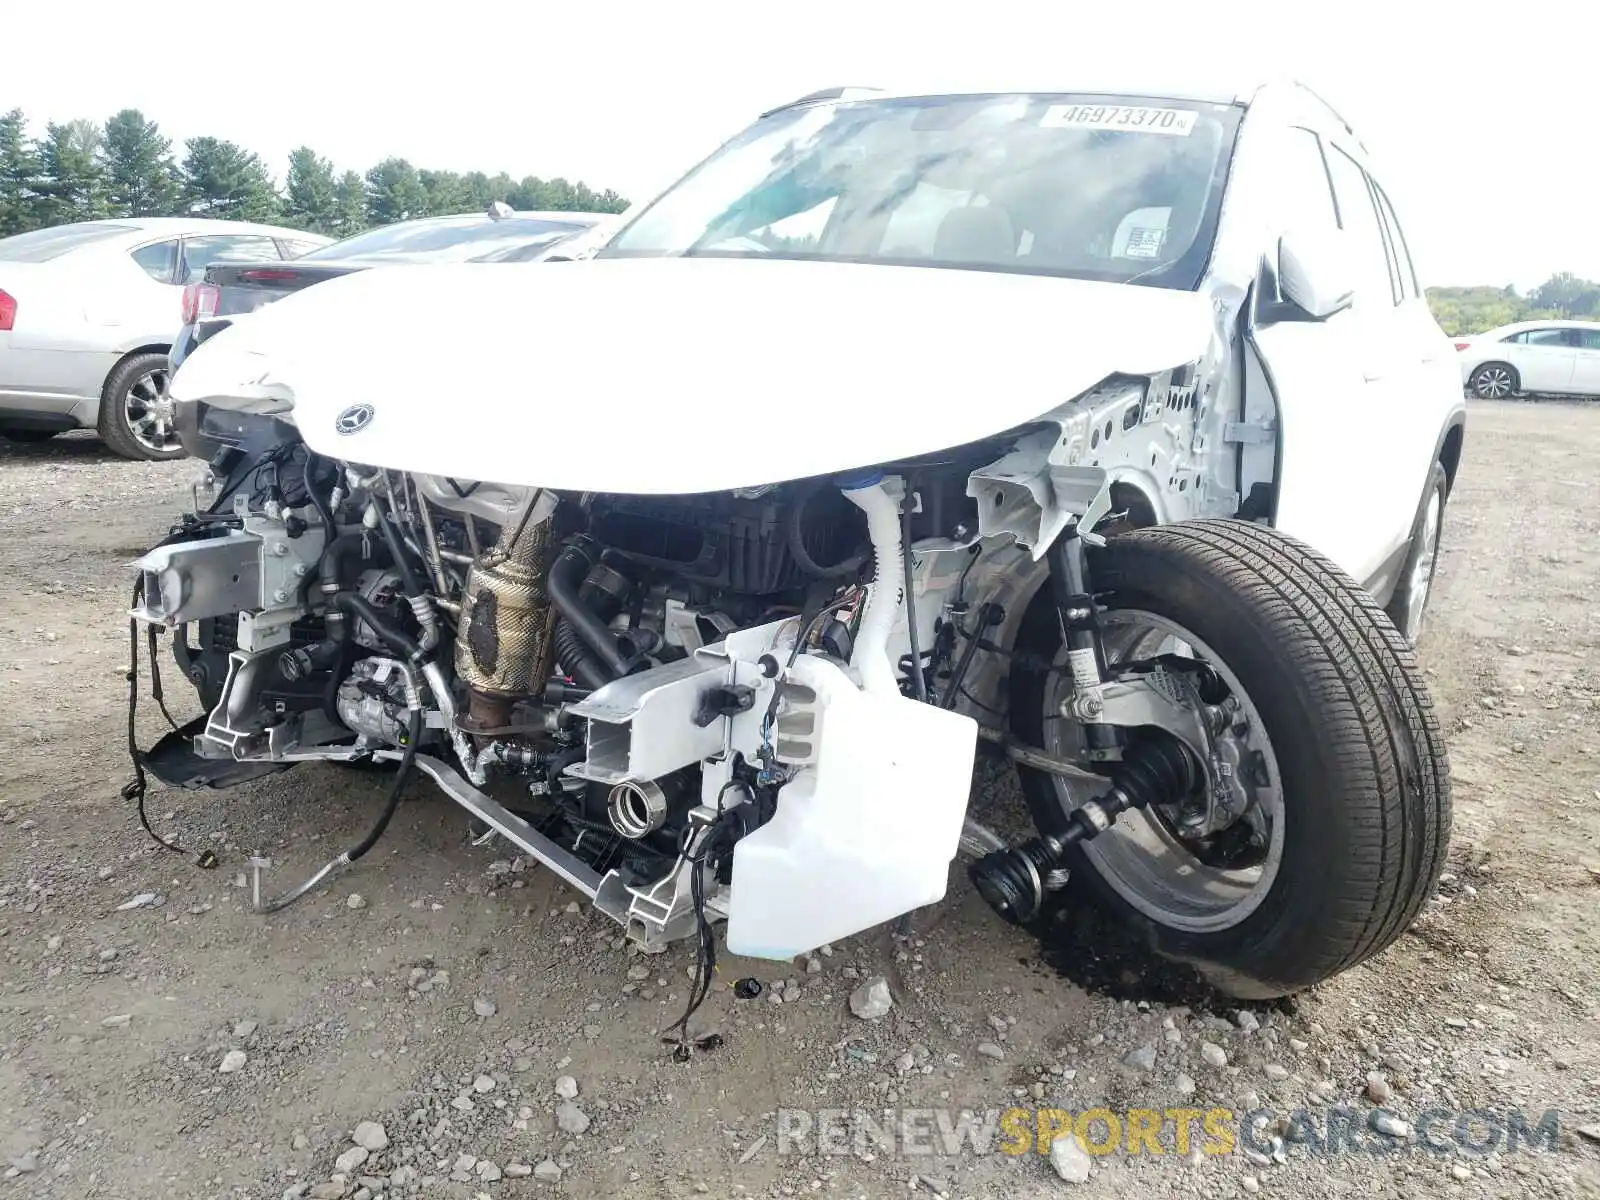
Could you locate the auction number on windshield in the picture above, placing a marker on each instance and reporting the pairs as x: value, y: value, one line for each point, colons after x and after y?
x: 1122, y: 118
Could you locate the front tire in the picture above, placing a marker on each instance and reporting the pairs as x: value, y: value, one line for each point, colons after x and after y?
x: 1494, y: 381
x: 135, y: 413
x: 1355, y: 795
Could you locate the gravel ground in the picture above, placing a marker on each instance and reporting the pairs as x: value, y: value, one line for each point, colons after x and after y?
x: 445, y: 1021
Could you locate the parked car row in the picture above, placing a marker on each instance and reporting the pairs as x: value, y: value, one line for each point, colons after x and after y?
x: 95, y: 315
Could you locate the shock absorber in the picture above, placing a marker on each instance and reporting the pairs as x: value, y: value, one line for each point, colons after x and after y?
x: 1156, y: 769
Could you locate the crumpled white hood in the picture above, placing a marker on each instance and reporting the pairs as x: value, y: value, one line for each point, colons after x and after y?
x: 681, y: 375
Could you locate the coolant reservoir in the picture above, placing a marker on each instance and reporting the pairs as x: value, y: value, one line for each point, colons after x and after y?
x: 865, y: 833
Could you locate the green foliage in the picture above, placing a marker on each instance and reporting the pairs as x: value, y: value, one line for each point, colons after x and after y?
x: 1467, y: 310
x: 141, y: 178
x: 225, y: 180
x: 19, y: 171
x: 80, y: 170
x: 349, y: 205
x: 311, y: 195
x: 71, y: 185
x: 395, y: 192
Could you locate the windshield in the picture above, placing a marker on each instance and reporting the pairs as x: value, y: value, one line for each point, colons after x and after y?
x: 1095, y: 187
x: 450, y: 239
x: 41, y: 245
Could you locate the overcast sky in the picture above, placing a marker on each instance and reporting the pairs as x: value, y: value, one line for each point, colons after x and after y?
x: 1485, y: 128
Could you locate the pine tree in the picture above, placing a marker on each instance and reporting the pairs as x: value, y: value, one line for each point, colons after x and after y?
x: 141, y: 178
x: 350, y: 205
x: 223, y: 180
x: 311, y: 199
x: 72, y: 180
x: 19, y: 173
x: 395, y: 192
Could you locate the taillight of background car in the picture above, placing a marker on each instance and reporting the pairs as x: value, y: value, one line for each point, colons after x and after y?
x: 199, y: 302
x: 8, y: 312
x: 1463, y: 345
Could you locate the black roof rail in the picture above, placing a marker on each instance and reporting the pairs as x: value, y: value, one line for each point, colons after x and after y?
x: 817, y: 97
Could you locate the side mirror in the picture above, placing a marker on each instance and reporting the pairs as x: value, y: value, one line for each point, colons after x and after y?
x: 1314, y: 273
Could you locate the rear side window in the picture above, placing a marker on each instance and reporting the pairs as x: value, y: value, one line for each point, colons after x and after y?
x: 1409, y: 286
x: 200, y: 252
x: 41, y: 245
x: 1589, y: 339
x: 159, y: 261
x: 296, y: 249
x: 1359, y: 219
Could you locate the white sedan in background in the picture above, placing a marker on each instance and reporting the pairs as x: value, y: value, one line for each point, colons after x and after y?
x: 88, y: 312
x: 1560, y: 358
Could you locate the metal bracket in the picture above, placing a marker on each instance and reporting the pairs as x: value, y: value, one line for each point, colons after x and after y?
x: 1252, y: 433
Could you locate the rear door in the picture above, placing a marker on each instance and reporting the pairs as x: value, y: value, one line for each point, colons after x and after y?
x: 1586, y: 363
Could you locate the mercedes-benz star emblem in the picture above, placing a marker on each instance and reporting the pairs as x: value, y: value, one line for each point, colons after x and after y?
x: 354, y: 419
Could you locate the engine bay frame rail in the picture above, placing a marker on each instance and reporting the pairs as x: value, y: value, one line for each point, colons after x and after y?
x: 503, y: 821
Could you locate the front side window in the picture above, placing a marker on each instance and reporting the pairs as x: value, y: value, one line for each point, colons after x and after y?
x: 1120, y: 189
x: 1589, y: 339
x: 1359, y: 219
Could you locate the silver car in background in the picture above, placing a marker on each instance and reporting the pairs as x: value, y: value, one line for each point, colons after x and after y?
x: 88, y: 312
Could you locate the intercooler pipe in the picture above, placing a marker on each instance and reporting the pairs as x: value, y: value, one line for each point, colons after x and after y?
x: 867, y: 490
x: 575, y: 657
x: 566, y: 576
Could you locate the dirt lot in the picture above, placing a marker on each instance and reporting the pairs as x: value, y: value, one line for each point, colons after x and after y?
x: 448, y: 999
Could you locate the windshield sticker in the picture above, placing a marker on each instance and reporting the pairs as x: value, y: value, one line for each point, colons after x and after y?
x: 1175, y: 122
x: 1144, y: 243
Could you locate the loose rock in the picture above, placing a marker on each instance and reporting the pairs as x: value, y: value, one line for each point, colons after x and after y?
x: 232, y: 1061
x: 871, y: 999
x: 1142, y: 1059
x: 567, y: 1087
x: 571, y: 1119
x: 547, y: 1172
x: 484, y: 1007
x: 1378, y: 1089
x: 1214, y: 1054
x: 370, y: 1135
x: 357, y: 900
x: 351, y: 1159
x: 1070, y: 1160
x: 1389, y: 1125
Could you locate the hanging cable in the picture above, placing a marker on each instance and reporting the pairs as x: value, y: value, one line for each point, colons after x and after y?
x: 135, y: 789
x: 719, y: 831
x: 413, y: 733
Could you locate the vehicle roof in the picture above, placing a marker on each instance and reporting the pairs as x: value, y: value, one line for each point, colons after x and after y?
x: 1536, y: 323
x: 1199, y: 88
x: 575, y: 218
x: 178, y: 225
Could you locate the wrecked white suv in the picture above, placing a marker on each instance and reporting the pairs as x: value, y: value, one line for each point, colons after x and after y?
x: 1106, y: 432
